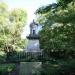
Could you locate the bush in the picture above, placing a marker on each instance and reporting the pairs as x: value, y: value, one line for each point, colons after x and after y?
x: 5, y: 69
x: 60, y: 67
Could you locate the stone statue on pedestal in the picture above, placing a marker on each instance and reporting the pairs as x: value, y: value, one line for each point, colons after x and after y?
x: 33, y: 38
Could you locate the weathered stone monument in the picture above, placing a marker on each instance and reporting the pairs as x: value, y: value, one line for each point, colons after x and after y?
x: 33, y: 38
x: 32, y: 68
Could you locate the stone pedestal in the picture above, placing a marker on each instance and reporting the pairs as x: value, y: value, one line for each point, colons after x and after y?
x: 33, y: 38
x: 30, y: 68
x: 33, y: 46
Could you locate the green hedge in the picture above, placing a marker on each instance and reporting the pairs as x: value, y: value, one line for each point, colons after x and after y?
x: 59, y: 67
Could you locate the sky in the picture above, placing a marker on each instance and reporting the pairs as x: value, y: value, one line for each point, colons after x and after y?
x: 30, y: 6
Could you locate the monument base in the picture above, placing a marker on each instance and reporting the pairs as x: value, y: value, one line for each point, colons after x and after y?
x: 33, y: 46
x: 30, y: 68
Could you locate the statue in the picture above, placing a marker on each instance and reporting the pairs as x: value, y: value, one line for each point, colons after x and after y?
x: 33, y: 38
x: 33, y: 28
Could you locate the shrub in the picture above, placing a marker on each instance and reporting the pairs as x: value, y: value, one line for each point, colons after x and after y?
x: 60, y: 67
x: 6, y: 68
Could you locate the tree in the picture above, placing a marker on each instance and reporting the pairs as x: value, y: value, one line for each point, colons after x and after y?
x: 58, y: 32
x: 18, y: 21
x: 3, y: 24
x: 11, y: 26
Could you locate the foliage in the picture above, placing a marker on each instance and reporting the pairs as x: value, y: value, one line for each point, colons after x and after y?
x: 6, y: 68
x: 58, y: 67
x: 58, y: 32
x: 63, y: 3
x: 2, y: 56
x: 11, y: 27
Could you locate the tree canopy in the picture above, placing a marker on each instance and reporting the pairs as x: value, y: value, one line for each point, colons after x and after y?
x: 58, y: 33
x: 11, y: 27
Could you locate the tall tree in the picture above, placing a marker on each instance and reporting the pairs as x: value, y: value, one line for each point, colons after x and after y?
x: 58, y: 32
x: 3, y: 23
x: 11, y: 26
